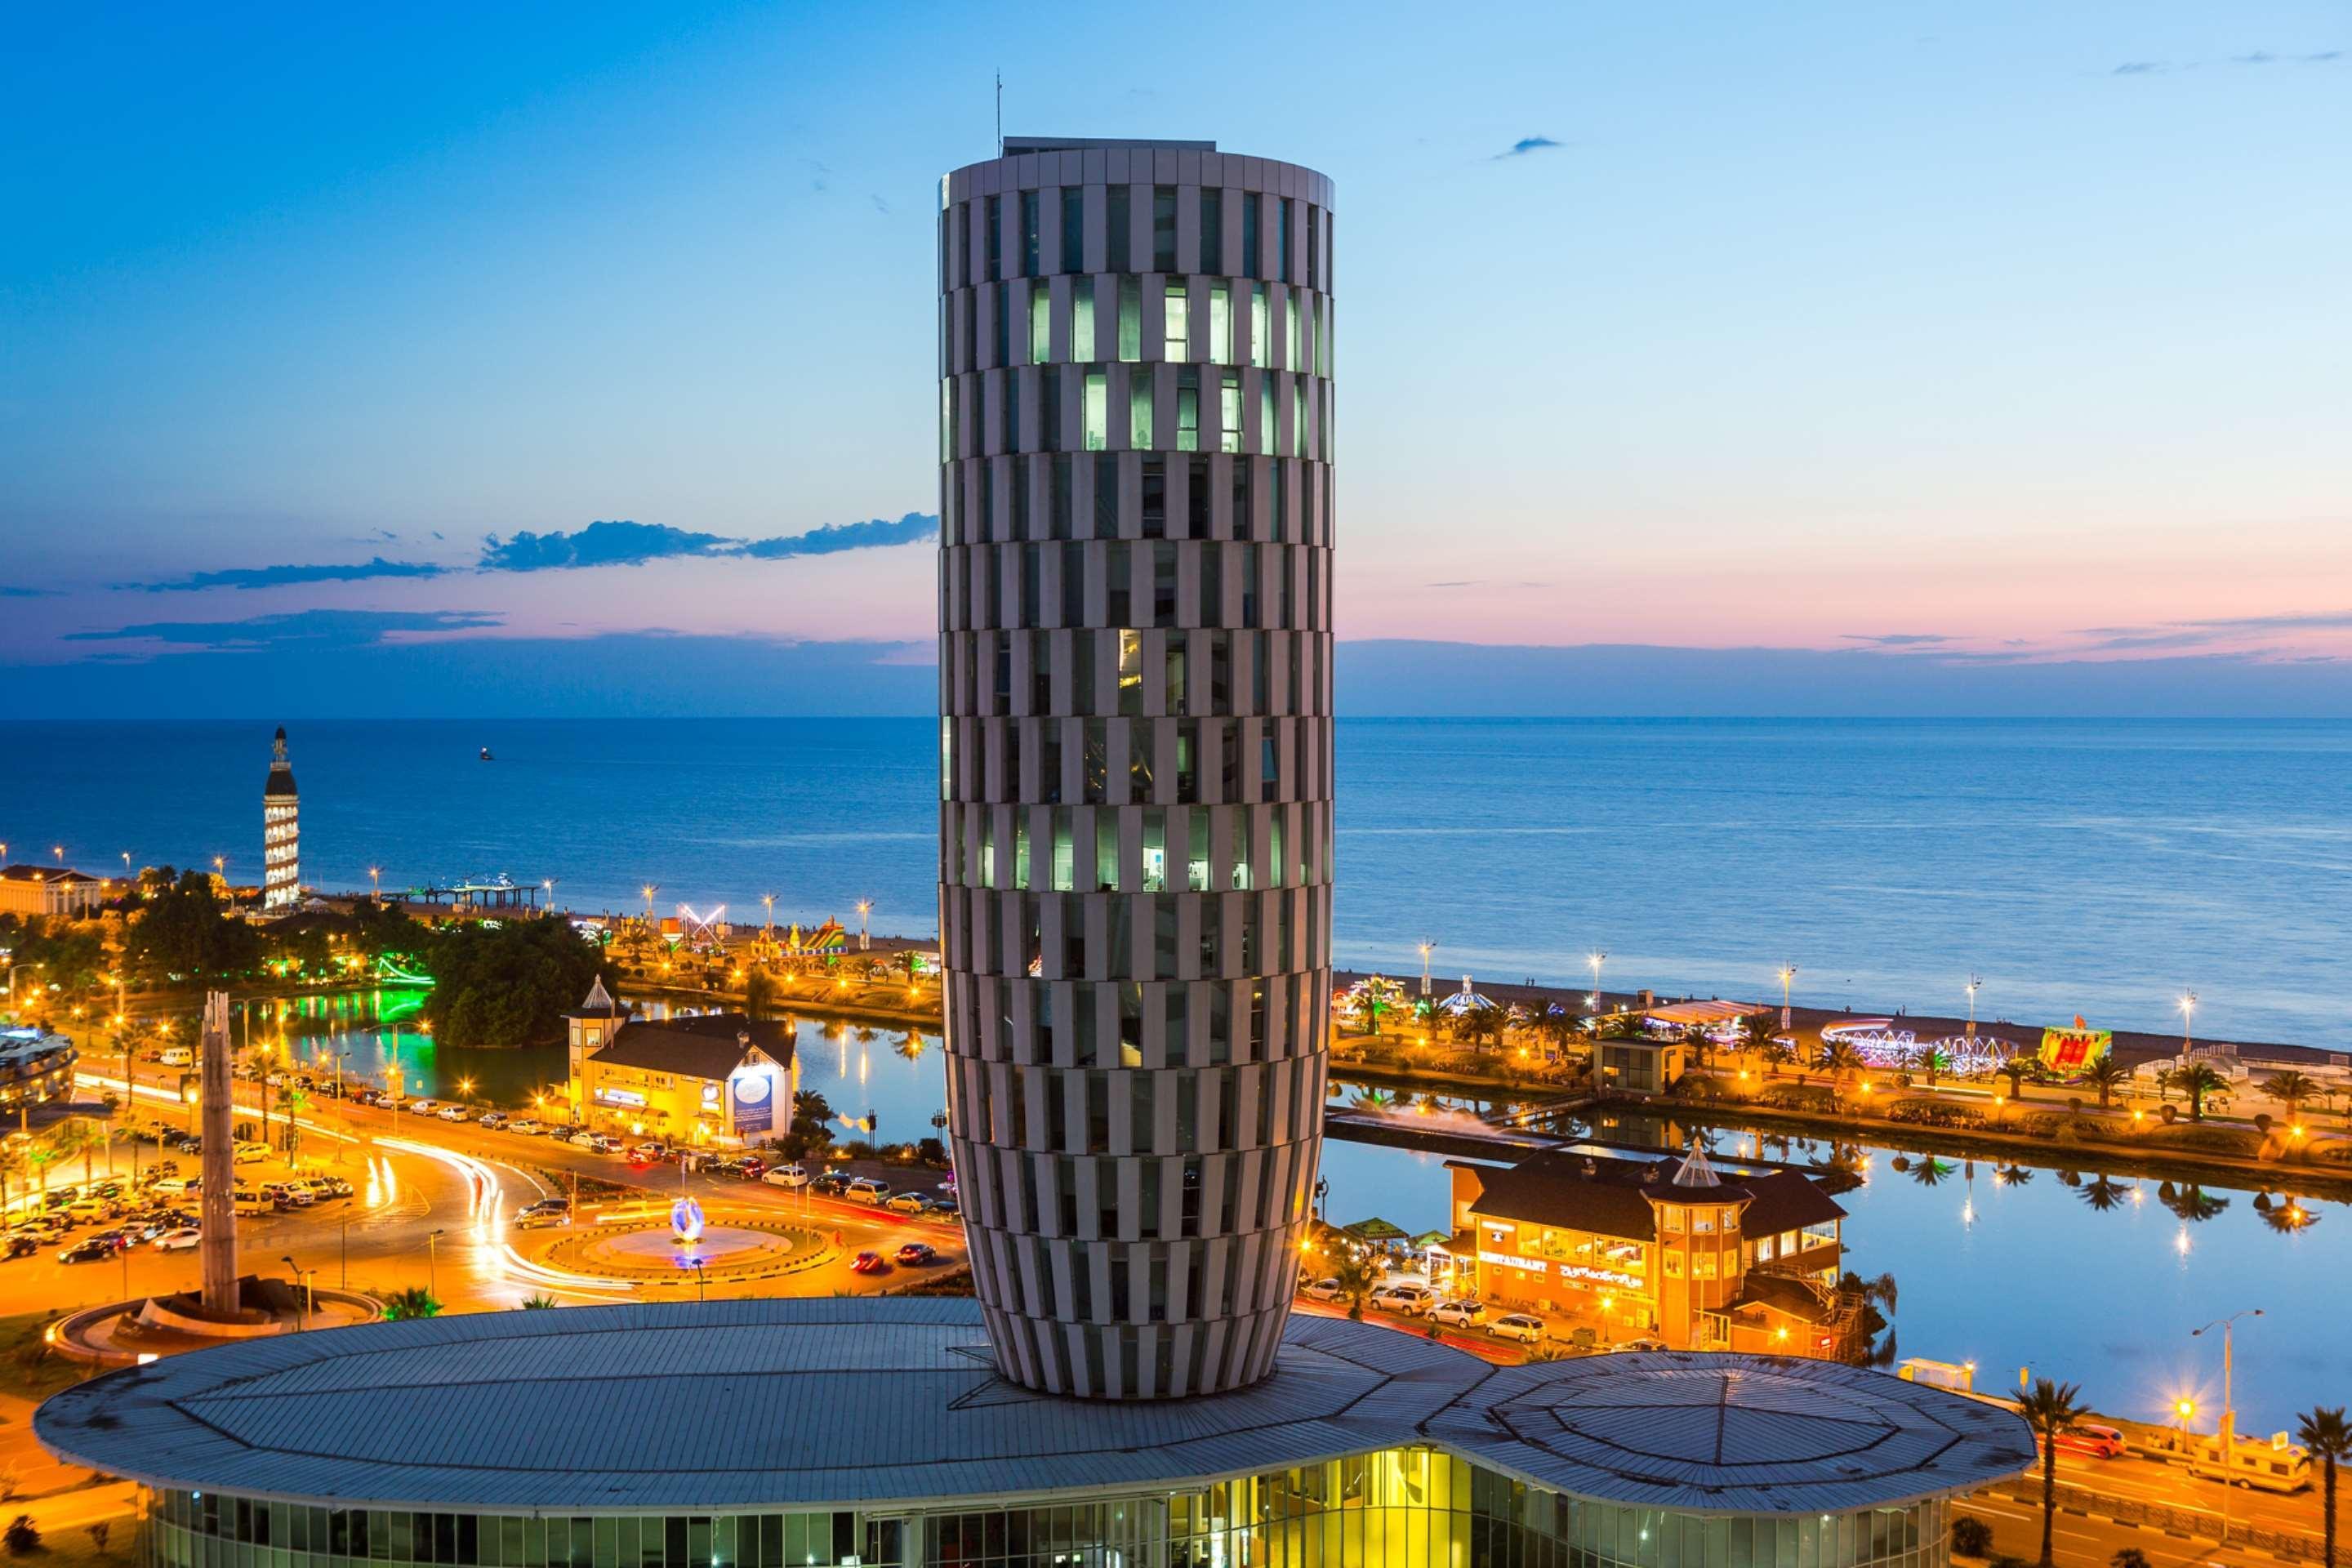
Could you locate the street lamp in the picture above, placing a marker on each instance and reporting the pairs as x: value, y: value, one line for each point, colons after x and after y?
x: 301, y: 1283
x: 2188, y: 1016
x: 864, y: 908
x: 2184, y: 1408
x: 1596, y: 958
x: 1788, y: 974
x: 1976, y: 983
x: 768, y: 901
x: 432, y: 1264
x: 375, y: 881
x: 1428, y: 946
x: 650, y: 889
x: 2228, y: 1414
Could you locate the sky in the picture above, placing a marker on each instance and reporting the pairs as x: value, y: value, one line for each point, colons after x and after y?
x: 1974, y: 358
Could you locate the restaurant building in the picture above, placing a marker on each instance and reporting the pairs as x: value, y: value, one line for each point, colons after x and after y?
x: 720, y: 1079
x: 876, y: 1433
x: 1646, y: 1247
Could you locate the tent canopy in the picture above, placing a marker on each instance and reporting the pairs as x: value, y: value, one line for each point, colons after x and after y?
x: 1698, y: 1014
x: 1376, y: 1229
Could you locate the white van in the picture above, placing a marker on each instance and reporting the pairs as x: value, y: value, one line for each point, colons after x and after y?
x: 178, y: 1056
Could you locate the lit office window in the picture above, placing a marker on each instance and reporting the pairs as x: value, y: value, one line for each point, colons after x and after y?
x: 1139, y: 413
x: 1130, y: 317
x: 1178, y: 303
x: 1229, y: 414
x: 1259, y: 329
x: 1221, y: 322
x: 1098, y: 394
x: 1082, y: 319
x: 1265, y: 428
x: 1041, y: 323
x: 1188, y: 409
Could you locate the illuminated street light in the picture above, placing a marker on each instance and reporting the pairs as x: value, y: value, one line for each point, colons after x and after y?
x: 375, y: 880
x: 1596, y: 958
x: 1976, y: 984
x: 2188, y: 1016
x: 1428, y: 946
x: 2228, y: 1416
x: 1788, y: 974
x: 864, y: 908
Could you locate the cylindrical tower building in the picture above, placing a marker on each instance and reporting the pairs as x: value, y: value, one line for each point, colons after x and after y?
x: 281, y: 831
x: 1135, y: 749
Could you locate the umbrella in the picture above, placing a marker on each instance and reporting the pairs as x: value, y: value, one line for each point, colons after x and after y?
x: 1375, y: 1229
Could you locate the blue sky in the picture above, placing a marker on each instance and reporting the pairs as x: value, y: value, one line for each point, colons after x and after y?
x: 1955, y: 335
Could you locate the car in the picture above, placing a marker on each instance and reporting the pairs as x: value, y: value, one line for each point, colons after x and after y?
x: 526, y: 1125
x: 831, y: 1184
x: 915, y: 1253
x: 1321, y: 1290
x: 177, y: 1057
x: 595, y: 1142
x: 82, y: 1211
x: 59, y: 1197
x: 367, y: 1096
x: 91, y: 1251
x: 1410, y: 1297
x: 1459, y: 1314
x: 245, y: 1200
x: 652, y: 1151
x: 179, y: 1238
x: 19, y: 1246
x: 1524, y: 1327
x: 491, y: 1120
x: 540, y: 1216
x: 454, y: 1114
x: 793, y: 1176
x: 907, y: 1203
x: 252, y: 1153
x: 336, y: 1186
x: 864, y: 1263
x: 866, y: 1190
x: 748, y: 1167
x: 274, y: 1080
x: 175, y: 1185
x: 121, y: 1235
x: 2099, y: 1441
x: 1640, y: 1344
x: 424, y: 1108
x: 944, y: 1206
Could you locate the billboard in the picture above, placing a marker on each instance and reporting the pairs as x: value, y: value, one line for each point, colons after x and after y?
x: 2072, y: 1050
x: 752, y: 1103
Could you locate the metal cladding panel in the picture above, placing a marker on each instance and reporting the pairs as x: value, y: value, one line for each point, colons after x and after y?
x: 846, y: 1404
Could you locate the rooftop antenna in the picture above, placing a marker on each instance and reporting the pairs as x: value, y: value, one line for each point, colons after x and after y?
x: 1000, y: 114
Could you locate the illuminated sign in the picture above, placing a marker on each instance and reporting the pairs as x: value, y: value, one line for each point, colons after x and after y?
x: 754, y: 1110
x: 620, y: 1097
x: 2072, y: 1050
x: 1567, y: 1270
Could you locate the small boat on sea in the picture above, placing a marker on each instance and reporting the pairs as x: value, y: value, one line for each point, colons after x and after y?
x: 486, y: 756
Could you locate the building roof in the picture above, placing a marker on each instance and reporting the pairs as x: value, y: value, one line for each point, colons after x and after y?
x: 1016, y: 145
x: 1704, y: 1013
x: 867, y: 1403
x: 707, y: 1045
x: 32, y: 873
x: 1612, y: 1196
x: 598, y: 1003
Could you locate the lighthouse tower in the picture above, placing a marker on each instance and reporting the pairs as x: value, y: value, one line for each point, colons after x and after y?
x: 282, y: 833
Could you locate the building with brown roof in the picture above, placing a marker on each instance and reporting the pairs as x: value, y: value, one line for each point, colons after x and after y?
x: 719, y: 1080
x: 1633, y: 1247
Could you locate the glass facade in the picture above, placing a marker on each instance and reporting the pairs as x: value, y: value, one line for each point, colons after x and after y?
x: 1413, y: 1507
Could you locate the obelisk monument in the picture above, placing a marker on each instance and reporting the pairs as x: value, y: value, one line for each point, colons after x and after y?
x: 217, y: 1250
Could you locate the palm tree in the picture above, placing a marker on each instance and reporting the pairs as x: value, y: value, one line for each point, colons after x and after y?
x: 1775, y: 1055
x: 2290, y: 1089
x: 415, y: 1301
x: 537, y: 1303
x: 2197, y: 1080
x: 2013, y: 1175
x: 2326, y: 1434
x: 1841, y: 1061
x: 1931, y: 1062
x: 2050, y: 1409
x: 2190, y: 1203
x: 12, y: 1164
x: 2107, y: 1075
x: 1354, y: 1277
x: 2104, y: 1195
x: 1928, y: 1171
x: 2015, y: 1069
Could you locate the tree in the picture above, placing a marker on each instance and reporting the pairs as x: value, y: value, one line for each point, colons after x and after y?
x: 186, y: 931
x: 2326, y: 1434
x: 2197, y: 1080
x: 415, y: 1301
x: 2290, y: 1089
x: 1971, y: 1537
x: 1480, y: 1026
x: 2128, y: 1557
x: 759, y: 992
x: 509, y: 982
x: 1841, y: 1061
x: 2015, y: 1069
x: 2107, y: 1075
x: 2050, y: 1409
x: 1931, y: 1062
x: 1355, y: 1280
x: 22, y: 1536
x: 1775, y: 1054
x: 538, y: 1303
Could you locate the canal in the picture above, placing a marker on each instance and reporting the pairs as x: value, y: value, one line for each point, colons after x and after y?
x: 2082, y: 1276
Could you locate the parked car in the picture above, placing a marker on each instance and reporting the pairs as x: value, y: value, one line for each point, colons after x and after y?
x: 793, y: 1176
x: 907, y: 1203
x: 19, y: 1244
x: 870, y: 1263
x: 175, y: 1185
x: 748, y: 1167
x: 1410, y: 1297
x: 915, y: 1253
x: 179, y: 1238
x: 596, y: 1142
x: 1321, y: 1290
x: 82, y: 1211
x: 831, y: 1184
x: 251, y: 1153
x: 866, y: 1190
x: 1524, y: 1327
x: 1641, y: 1344
x: 336, y: 1187
x: 455, y: 1113
x: 491, y: 1120
x: 2101, y: 1442
x: 1459, y: 1313
x: 424, y: 1108
x: 245, y: 1200
x: 177, y: 1057
x: 944, y: 1207
x: 91, y: 1251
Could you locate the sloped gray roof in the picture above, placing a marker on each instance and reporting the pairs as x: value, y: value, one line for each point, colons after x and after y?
x: 843, y: 1402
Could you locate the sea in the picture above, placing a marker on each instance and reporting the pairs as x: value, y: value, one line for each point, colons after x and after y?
x: 2105, y: 869
x: 2081, y: 867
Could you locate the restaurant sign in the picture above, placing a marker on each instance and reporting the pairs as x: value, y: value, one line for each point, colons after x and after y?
x: 2072, y: 1050
x: 1566, y: 1271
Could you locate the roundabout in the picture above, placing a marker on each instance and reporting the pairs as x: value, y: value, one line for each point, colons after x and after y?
x: 648, y: 1248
